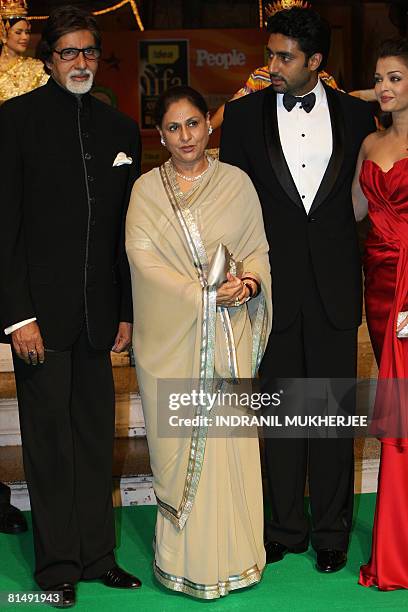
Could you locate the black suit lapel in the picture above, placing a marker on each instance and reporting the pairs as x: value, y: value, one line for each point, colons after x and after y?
x: 274, y: 148
x: 337, y: 156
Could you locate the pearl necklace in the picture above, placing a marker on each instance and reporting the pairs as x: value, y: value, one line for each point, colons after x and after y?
x: 191, y: 179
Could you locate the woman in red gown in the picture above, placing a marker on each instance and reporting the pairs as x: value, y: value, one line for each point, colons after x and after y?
x: 381, y: 189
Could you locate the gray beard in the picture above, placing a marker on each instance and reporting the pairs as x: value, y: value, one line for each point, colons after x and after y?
x: 79, y: 88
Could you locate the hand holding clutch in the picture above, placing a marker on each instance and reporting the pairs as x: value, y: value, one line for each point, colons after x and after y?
x: 221, y: 263
x: 402, y: 332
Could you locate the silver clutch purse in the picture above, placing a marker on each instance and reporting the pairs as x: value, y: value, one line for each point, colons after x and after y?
x: 221, y: 263
x: 403, y: 333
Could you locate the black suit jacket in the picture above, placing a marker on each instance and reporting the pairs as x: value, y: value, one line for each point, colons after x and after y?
x: 63, y: 207
x: 327, y: 235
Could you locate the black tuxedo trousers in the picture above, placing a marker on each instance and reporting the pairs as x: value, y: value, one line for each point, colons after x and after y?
x: 310, y: 348
x: 67, y: 451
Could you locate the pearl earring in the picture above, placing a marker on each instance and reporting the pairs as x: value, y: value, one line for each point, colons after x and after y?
x: 210, y: 130
x: 163, y: 142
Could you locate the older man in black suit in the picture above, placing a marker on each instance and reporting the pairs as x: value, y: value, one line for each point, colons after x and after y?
x: 68, y: 164
x: 298, y: 140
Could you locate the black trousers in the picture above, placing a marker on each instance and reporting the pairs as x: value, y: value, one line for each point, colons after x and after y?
x: 4, y: 494
x: 66, y: 411
x: 310, y: 348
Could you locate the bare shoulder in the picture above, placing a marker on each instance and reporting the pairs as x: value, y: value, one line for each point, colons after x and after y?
x: 372, y: 142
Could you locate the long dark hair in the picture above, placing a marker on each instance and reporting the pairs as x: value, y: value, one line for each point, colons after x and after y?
x: 392, y: 47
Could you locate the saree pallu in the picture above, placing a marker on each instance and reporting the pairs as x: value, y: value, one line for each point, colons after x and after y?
x: 209, y: 531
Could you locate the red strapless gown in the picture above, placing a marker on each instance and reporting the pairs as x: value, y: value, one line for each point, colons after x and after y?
x: 386, y: 294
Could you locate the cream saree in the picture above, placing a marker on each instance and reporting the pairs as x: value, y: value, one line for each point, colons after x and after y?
x: 209, y: 531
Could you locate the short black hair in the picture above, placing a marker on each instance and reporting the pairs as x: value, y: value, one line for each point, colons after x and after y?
x: 394, y: 47
x: 307, y: 27
x: 174, y: 94
x: 64, y: 20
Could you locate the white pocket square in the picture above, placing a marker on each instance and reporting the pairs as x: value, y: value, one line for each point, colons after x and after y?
x: 121, y: 159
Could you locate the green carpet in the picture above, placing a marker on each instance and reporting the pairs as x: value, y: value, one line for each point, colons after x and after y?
x: 291, y: 585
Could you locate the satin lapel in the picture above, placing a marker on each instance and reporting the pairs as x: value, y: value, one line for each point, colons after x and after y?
x: 274, y: 148
x: 337, y: 156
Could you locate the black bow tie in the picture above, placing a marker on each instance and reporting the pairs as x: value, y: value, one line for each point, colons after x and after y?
x: 307, y: 102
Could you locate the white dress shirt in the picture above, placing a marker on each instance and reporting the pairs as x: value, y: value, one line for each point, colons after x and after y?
x: 9, y: 330
x: 307, y: 143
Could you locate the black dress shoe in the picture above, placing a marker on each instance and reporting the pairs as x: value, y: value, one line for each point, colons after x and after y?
x: 67, y: 595
x: 329, y: 560
x: 11, y: 519
x: 275, y: 551
x: 119, y: 579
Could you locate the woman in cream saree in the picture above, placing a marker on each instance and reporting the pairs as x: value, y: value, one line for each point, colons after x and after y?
x: 209, y: 531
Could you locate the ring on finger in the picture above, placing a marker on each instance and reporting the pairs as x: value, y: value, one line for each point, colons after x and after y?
x: 32, y: 353
x: 237, y: 303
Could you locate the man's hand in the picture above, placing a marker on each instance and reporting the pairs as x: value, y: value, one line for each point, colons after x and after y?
x: 123, y: 338
x: 28, y: 344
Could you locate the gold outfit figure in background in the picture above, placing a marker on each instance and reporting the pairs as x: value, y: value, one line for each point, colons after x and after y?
x: 18, y: 74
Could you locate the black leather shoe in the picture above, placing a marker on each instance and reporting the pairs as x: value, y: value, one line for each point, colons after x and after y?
x: 329, y: 560
x: 119, y: 579
x: 11, y: 519
x: 67, y: 595
x: 275, y: 551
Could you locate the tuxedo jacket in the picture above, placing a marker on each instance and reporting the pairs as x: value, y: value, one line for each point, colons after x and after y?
x: 63, y: 205
x: 326, y: 238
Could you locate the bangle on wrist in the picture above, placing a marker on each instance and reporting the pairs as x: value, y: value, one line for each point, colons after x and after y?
x: 250, y: 289
x: 257, y: 285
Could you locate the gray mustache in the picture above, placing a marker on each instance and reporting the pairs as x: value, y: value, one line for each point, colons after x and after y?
x: 79, y: 72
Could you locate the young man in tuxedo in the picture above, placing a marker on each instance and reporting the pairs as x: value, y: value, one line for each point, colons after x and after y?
x: 68, y: 166
x: 298, y: 140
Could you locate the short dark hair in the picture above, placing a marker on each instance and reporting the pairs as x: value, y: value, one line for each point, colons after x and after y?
x: 174, y: 94
x: 307, y: 27
x: 64, y: 20
x: 394, y: 47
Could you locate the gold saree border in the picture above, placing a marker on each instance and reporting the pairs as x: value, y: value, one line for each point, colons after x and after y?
x: 180, y: 206
x: 207, y: 350
x: 259, y: 333
x: 208, y: 591
x: 199, y: 436
x: 229, y: 337
x: 179, y: 203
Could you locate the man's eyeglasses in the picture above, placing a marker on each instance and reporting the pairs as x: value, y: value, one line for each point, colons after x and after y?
x: 71, y: 53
